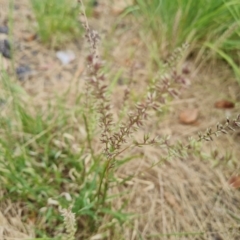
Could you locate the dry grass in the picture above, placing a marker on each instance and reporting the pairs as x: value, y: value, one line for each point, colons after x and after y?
x: 184, y: 199
x: 11, y: 222
x: 188, y: 198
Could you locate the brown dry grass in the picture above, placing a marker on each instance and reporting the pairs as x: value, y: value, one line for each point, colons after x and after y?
x: 192, y: 194
x: 11, y: 224
x: 185, y: 195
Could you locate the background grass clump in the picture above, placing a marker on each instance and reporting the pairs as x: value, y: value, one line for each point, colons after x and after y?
x: 57, y: 21
x: 206, y: 24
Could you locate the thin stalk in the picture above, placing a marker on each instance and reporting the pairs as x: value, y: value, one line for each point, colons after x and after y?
x: 104, y: 175
x: 88, y: 135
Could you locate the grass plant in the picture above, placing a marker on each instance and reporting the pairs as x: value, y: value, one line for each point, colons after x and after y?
x: 204, y: 23
x: 57, y: 21
x: 62, y: 164
x: 43, y: 167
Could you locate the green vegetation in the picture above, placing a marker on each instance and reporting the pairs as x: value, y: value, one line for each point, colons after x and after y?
x: 57, y: 20
x: 206, y: 24
x: 42, y: 162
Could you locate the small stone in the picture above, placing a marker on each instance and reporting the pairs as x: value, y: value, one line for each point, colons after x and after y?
x: 95, y: 3
x: 234, y: 182
x: 30, y: 37
x: 224, y: 104
x: 5, y: 48
x: 7, y: 43
x: 23, y: 72
x: 188, y: 116
x: 65, y: 56
x: 4, y: 29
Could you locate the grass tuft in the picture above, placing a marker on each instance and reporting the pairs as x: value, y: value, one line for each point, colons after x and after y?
x: 57, y: 21
x: 209, y: 24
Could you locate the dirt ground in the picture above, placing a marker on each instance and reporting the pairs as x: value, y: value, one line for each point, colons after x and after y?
x: 185, y: 195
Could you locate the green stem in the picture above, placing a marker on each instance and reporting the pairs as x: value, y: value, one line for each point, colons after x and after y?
x: 88, y: 135
x: 104, y: 175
